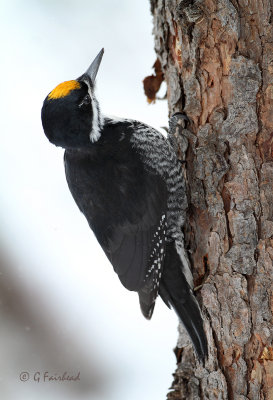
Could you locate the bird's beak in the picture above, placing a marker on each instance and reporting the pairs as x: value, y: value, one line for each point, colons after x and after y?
x: 93, y: 69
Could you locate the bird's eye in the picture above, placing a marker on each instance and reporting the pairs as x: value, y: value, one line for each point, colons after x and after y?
x: 86, y: 100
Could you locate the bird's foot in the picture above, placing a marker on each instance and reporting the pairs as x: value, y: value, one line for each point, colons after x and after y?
x: 178, y: 119
x: 197, y: 288
x: 176, y: 134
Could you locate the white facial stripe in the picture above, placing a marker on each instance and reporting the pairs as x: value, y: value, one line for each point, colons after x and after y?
x: 96, y: 122
x: 95, y: 132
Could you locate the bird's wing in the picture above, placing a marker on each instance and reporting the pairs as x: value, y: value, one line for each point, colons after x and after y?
x: 128, y: 217
x: 136, y: 247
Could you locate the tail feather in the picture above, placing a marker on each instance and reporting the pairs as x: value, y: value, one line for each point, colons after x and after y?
x: 175, y: 291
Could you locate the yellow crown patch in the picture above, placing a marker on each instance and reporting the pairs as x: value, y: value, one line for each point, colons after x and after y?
x: 63, y: 89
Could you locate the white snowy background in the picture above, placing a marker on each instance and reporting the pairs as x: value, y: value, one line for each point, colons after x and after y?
x: 62, y: 308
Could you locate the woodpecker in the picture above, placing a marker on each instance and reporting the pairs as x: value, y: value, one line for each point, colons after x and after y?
x: 126, y: 179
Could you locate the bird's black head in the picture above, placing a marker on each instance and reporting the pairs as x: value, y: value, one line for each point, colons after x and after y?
x: 70, y: 113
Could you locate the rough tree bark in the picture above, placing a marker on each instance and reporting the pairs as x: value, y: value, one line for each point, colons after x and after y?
x: 217, y: 60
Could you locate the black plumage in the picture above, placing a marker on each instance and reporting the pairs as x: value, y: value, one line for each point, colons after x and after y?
x: 176, y: 292
x: 113, y: 189
x: 126, y: 180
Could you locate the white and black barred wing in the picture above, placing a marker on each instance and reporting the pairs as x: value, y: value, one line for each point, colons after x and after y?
x: 148, y: 294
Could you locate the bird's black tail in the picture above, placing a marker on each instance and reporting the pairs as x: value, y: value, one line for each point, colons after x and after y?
x: 176, y: 292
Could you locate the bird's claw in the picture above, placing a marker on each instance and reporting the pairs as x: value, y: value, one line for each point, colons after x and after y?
x: 197, y: 288
x: 179, y: 118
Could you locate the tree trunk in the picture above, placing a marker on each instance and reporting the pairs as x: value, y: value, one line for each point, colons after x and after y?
x: 217, y: 60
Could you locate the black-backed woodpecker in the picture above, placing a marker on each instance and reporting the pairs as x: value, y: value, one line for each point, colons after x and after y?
x: 126, y: 179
